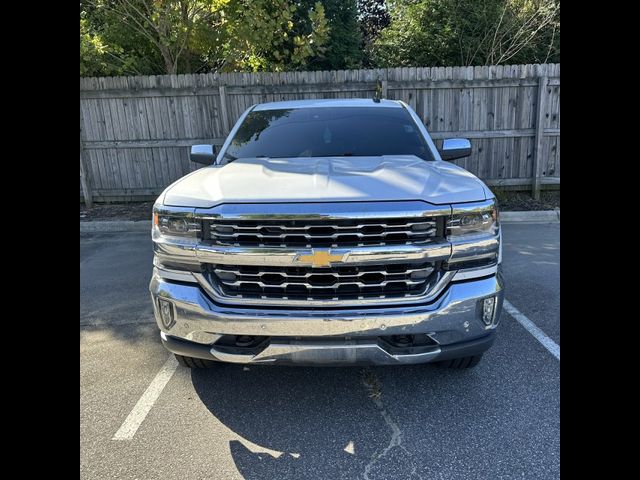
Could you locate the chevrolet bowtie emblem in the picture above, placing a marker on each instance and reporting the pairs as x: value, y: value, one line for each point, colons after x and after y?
x: 320, y: 258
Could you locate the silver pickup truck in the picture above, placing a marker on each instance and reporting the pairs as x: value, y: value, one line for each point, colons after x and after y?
x: 328, y: 232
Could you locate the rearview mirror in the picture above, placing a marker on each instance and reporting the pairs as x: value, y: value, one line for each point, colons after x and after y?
x: 204, y: 154
x: 453, y: 148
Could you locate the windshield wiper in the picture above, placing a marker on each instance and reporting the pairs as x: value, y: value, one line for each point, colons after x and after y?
x: 345, y: 154
x: 230, y: 157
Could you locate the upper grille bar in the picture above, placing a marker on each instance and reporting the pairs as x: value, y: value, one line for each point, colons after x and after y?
x: 339, y: 227
x: 322, y: 233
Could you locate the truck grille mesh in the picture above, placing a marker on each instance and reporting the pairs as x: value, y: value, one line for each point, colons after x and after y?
x: 332, y: 283
x: 322, y: 233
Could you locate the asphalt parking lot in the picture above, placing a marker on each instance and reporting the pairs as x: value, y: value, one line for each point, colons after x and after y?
x: 498, y: 420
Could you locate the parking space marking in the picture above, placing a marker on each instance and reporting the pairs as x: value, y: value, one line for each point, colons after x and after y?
x: 533, y: 329
x: 147, y: 400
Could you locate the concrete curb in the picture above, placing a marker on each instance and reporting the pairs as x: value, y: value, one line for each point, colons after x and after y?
x: 542, y: 216
x: 534, y: 216
x: 116, y: 226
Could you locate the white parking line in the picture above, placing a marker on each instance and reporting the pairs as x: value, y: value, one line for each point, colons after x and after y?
x: 148, y: 398
x: 542, y: 337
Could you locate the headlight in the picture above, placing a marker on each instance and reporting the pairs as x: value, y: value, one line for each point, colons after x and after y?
x: 471, y: 221
x: 169, y: 225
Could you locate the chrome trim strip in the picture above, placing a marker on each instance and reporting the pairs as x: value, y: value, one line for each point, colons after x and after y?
x: 170, y: 249
x: 475, y: 248
x: 322, y: 211
x: 308, y: 274
x: 366, y: 223
x: 205, y: 338
x: 325, y: 352
x: 474, y: 273
x: 289, y: 257
x: 174, y: 211
x: 472, y: 207
x: 285, y: 284
x: 169, y: 274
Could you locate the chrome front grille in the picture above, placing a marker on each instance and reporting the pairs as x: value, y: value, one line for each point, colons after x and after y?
x: 314, y: 233
x: 339, y: 284
x: 324, y: 255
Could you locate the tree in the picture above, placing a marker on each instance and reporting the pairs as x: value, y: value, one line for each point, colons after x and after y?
x: 185, y: 36
x: 108, y: 47
x: 343, y: 47
x: 373, y: 16
x: 343, y: 50
x: 273, y: 35
x: 167, y: 25
x: 468, y: 32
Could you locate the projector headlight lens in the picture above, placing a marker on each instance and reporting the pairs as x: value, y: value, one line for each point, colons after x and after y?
x: 479, y: 222
x: 175, y: 225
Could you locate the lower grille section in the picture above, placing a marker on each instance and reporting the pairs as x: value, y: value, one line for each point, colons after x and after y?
x: 324, y: 284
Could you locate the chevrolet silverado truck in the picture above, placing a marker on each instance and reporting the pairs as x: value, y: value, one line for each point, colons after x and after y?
x: 327, y: 232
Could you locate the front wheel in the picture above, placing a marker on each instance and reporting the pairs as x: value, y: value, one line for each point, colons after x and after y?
x: 191, y: 362
x: 464, y: 362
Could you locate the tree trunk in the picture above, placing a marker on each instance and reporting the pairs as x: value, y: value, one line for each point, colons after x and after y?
x: 185, y: 21
x: 169, y: 64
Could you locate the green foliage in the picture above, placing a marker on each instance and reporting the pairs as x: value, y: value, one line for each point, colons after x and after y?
x: 373, y: 16
x: 314, y: 43
x: 184, y: 36
x: 143, y: 37
x: 344, y: 45
x: 101, y: 55
x: 262, y: 35
x: 468, y: 32
x: 92, y: 53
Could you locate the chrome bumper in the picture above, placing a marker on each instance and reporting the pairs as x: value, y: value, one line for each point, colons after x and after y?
x: 326, y: 336
x: 327, y: 352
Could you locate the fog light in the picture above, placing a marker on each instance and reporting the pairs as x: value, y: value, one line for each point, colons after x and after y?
x: 166, y: 313
x: 488, y: 308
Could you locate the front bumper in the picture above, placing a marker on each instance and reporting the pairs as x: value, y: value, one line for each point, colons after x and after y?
x: 329, y: 336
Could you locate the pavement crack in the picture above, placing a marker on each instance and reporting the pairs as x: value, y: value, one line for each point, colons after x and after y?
x: 374, y: 389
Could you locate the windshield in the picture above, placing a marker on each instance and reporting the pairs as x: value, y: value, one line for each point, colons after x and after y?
x: 326, y: 132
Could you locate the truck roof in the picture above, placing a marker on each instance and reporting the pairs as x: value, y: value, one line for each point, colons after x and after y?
x: 332, y: 102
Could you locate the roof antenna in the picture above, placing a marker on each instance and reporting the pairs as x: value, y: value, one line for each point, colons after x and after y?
x: 378, y: 94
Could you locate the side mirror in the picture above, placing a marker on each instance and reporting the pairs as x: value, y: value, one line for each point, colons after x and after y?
x: 453, y: 148
x: 204, y: 154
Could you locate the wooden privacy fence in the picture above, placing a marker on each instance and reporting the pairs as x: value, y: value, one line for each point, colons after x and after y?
x: 135, y: 132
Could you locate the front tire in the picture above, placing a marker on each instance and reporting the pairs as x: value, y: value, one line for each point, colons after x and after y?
x: 464, y: 362
x: 191, y: 362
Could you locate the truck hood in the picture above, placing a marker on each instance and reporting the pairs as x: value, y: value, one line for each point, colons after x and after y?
x: 326, y: 179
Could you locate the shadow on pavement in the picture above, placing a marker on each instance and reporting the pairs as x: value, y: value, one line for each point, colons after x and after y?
x: 497, y: 420
x: 323, y: 420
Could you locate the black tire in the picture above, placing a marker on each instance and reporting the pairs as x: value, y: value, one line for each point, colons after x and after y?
x: 190, y: 362
x: 464, y: 362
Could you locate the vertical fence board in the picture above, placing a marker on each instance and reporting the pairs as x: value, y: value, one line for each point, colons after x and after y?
x: 541, y: 109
